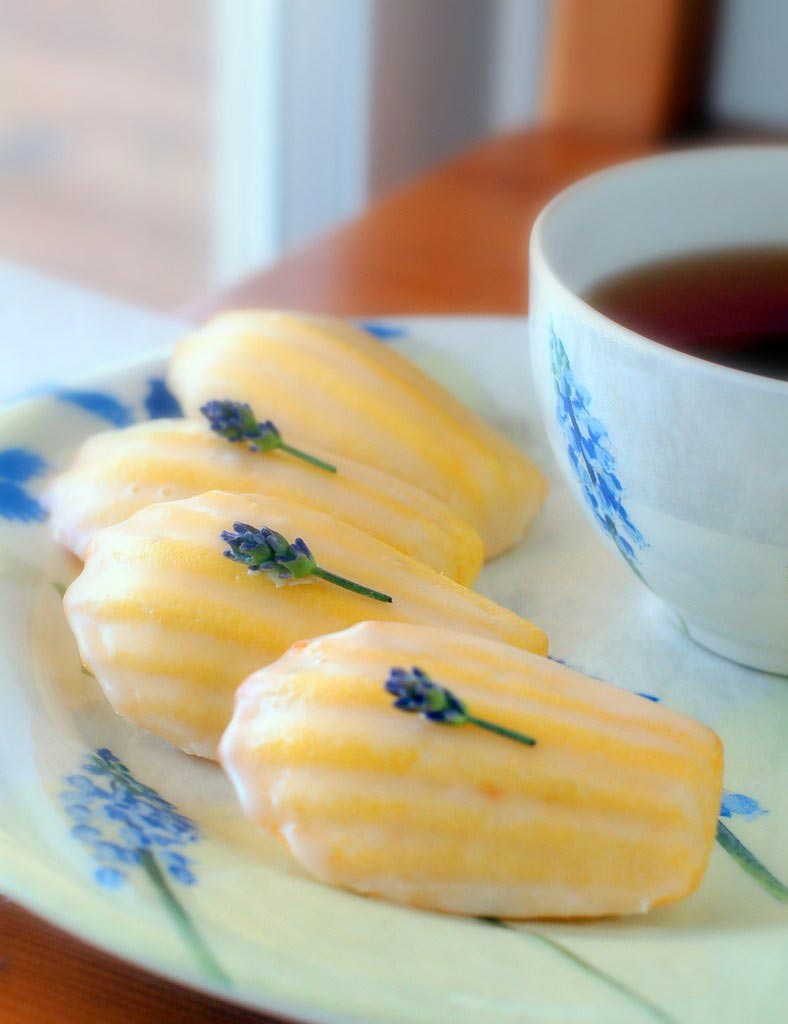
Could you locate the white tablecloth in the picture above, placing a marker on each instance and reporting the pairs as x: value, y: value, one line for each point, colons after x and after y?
x: 51, y: 331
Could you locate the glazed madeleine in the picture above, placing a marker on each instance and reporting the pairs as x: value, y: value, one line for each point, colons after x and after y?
x: 170, y: 627
x: 331, y: 384
x: 119, y: 472
x: 613, y: 811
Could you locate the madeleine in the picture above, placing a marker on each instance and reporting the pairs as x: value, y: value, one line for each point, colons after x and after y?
x: 332, y: 385
x: 613, y: 811
x: 118, y: 472
x: 170, y: 628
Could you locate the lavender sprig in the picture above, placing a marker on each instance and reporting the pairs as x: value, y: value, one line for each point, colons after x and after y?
x: 265, y: 550
x: 416, y: 692
x: 236, y: 421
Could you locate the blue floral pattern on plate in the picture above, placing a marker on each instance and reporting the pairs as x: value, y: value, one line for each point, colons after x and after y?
x: 589, y: 454
x: 119, y: 818
x: 17, y: 466
x: 160, y: 402
x: 98, y: 403
x: 384, y: 332
x: 738, y: 805
x: 126, y: 825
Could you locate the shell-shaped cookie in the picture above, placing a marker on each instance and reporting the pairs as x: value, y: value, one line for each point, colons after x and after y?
x: 331, y: 384
x: 613, y: 811
x: 118, y: 472
x: 170, y: 628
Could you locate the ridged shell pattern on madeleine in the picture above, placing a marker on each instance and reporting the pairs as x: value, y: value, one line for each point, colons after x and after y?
x: 118, y: 472
x: 170, y: 627
x: 613, y: 811
x: 332, y: 385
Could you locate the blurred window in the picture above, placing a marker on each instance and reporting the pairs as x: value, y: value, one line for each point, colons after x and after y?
x: 105, y: 143
x: 151, y: 150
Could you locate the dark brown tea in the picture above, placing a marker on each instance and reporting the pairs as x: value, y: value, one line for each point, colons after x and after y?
x: 729, y: 306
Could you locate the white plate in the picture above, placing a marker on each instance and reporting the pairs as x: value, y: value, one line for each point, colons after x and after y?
x: 238, y: 917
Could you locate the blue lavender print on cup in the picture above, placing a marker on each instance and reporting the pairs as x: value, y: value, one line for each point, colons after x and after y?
x: 592, y: 461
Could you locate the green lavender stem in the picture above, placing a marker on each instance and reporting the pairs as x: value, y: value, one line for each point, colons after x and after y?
x: 656, y: 1012
x: 501, y: 730
x: 750, y: 863
x: 120, y: 774
x: 236, y: 421
x: 357, y: 588
x: 181, y: 920
x: 311, y: 459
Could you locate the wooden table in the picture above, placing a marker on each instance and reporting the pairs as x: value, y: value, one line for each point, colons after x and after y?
x: 454, y: 241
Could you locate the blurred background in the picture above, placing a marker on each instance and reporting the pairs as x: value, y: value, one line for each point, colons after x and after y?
x: 155, y: 150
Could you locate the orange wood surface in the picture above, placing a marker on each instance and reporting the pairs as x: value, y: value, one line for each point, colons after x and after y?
x: 454, y: 241
x: 47, y: 977
x: 627, y: 67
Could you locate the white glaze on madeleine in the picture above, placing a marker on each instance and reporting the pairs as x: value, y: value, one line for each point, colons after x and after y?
x: 612, y: 812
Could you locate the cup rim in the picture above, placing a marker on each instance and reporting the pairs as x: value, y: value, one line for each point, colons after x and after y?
x: 610, y: 328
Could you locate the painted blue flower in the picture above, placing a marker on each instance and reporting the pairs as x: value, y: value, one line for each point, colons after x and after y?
x: 592, y: 462
x: 384, y: 332
x: 17, y: 466
x: 160, y: 402
x: 737, y: 805
x: 99, y: 403
x: 120, y: 820
x: 127, y: 826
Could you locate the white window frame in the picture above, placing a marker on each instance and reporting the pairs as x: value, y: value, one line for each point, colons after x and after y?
x: 290, y: 124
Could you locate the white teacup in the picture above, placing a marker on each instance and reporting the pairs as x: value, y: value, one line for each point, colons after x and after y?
x: 681, y: 462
